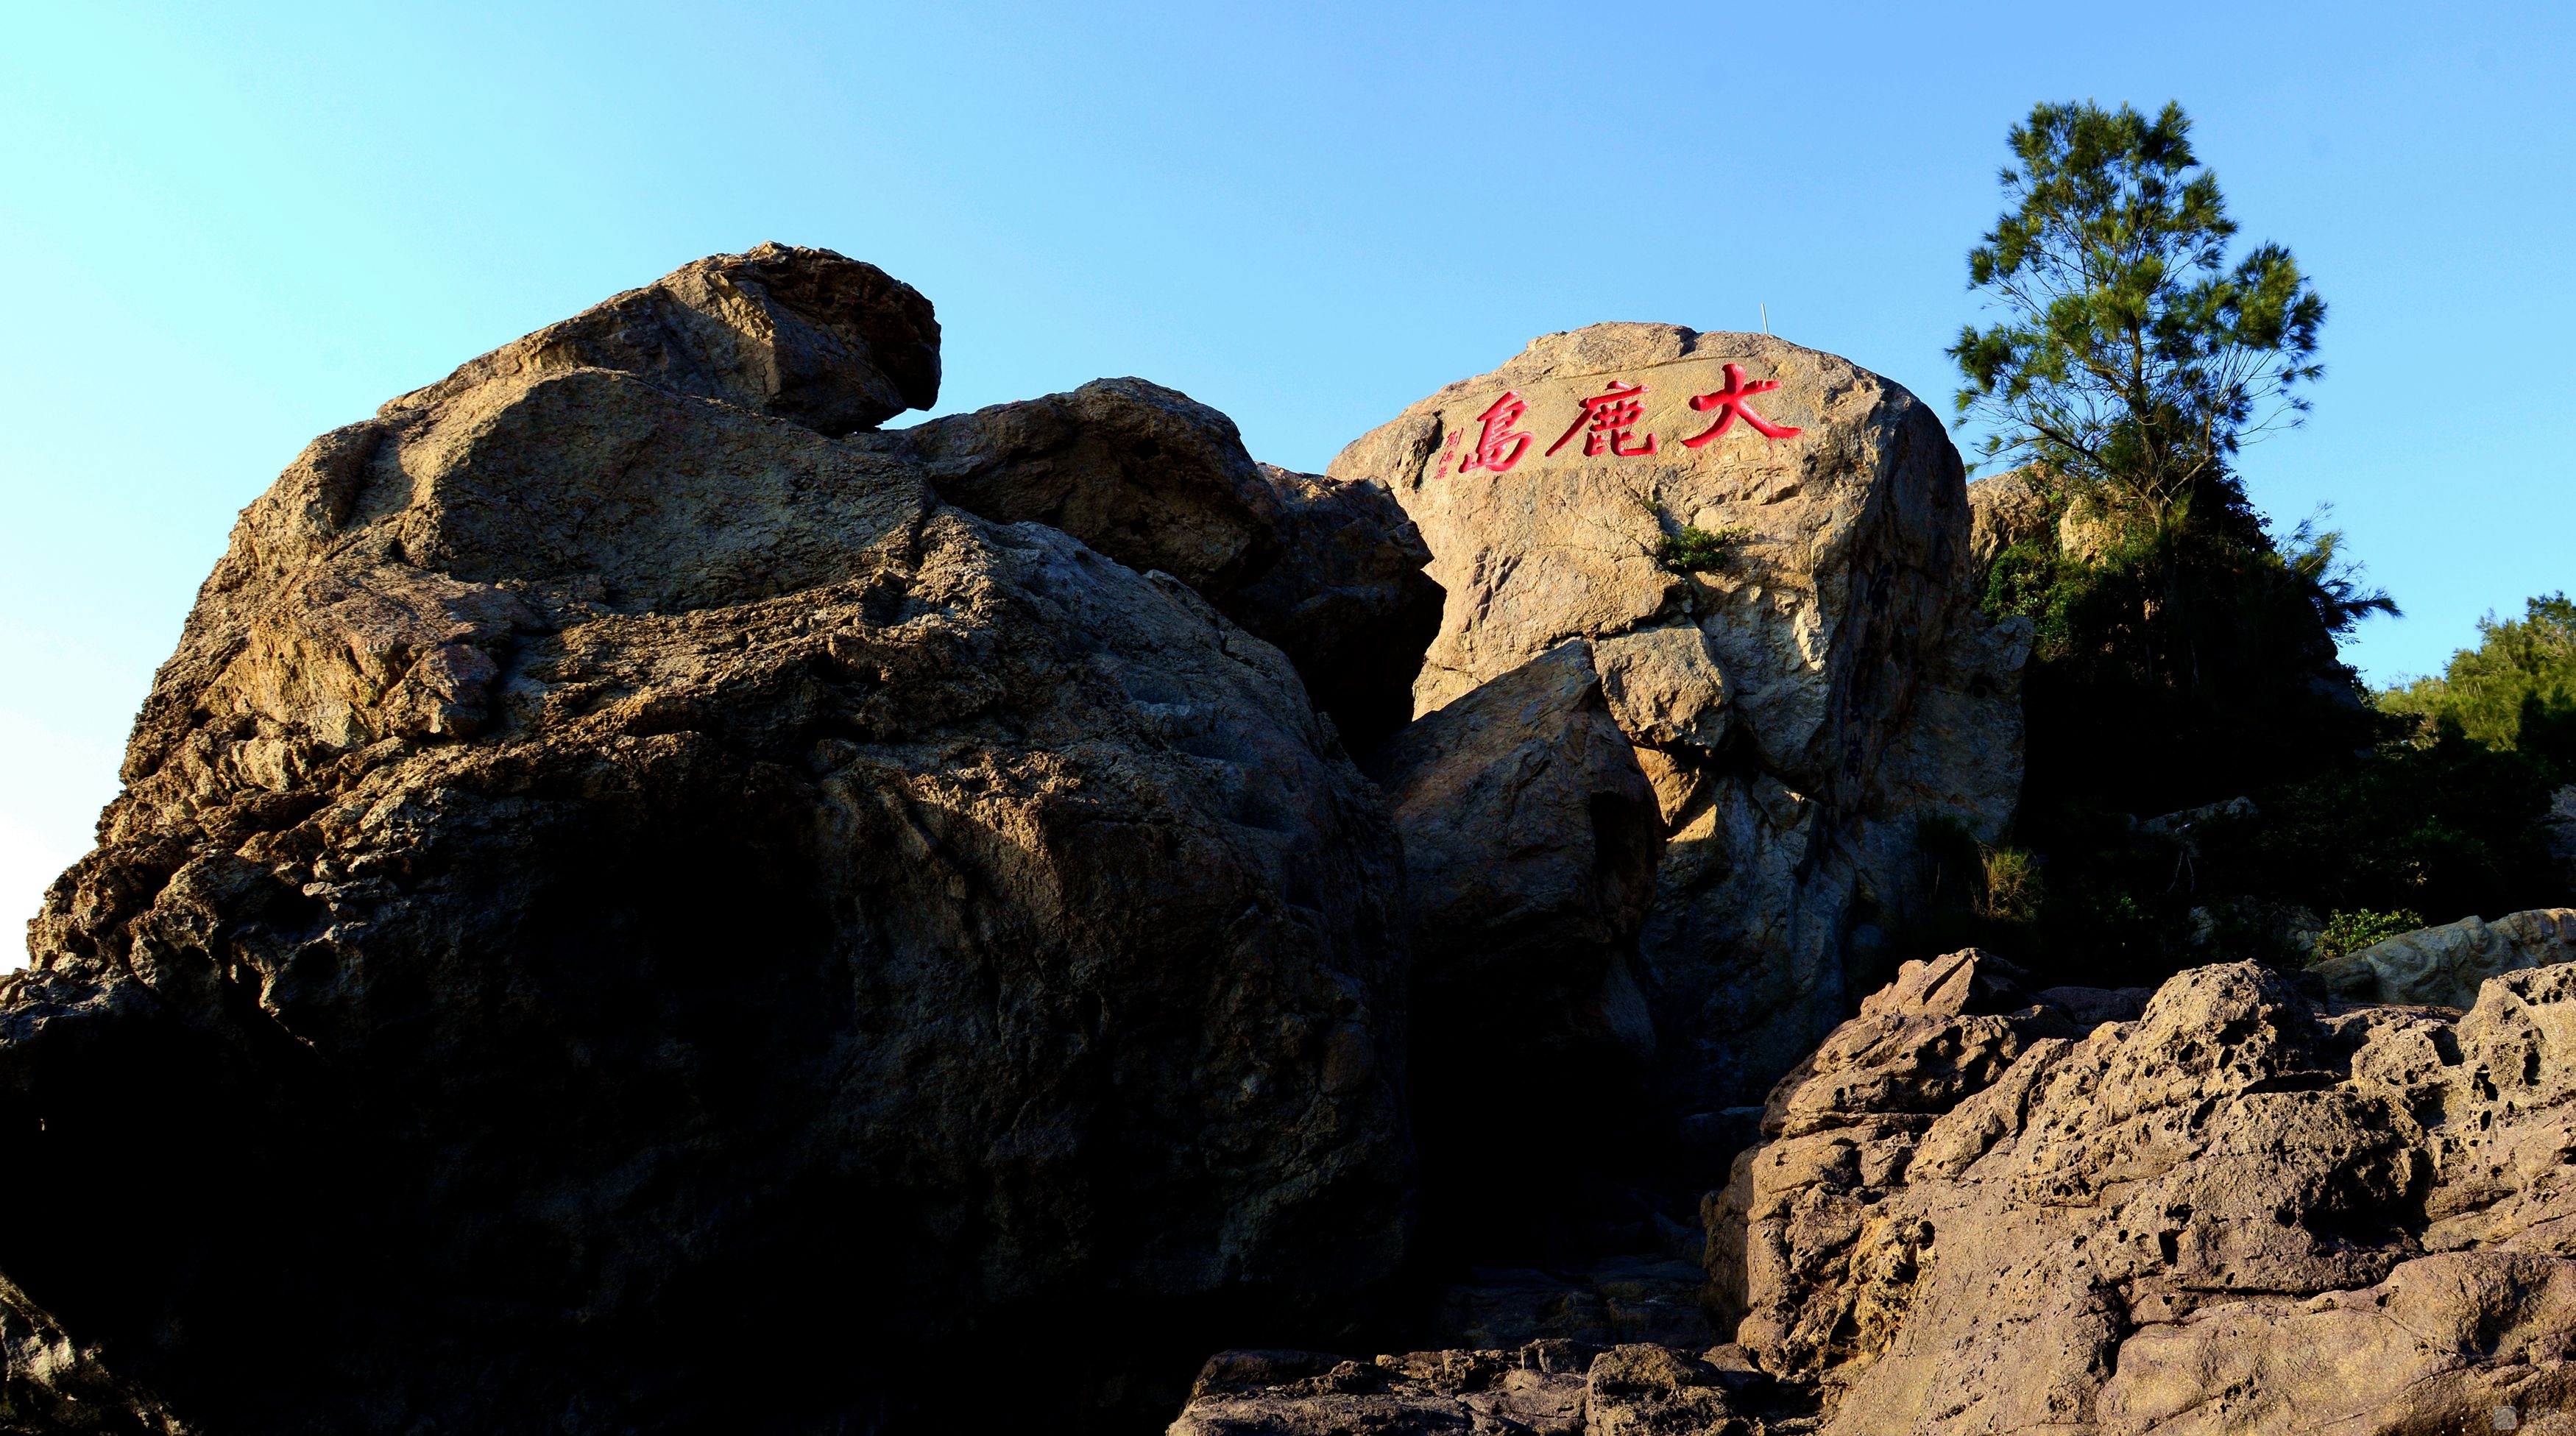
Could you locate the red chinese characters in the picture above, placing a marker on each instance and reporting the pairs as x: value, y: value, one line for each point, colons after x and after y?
x: 1729, y: 402
x: 1610, y: 416
x: 1499, y: 445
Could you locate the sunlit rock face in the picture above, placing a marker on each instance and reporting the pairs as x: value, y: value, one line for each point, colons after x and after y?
x: 2234, y: 1204
x: 1768, y: 549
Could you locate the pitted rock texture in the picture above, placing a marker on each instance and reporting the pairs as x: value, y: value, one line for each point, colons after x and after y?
x: 2250, y: 1207
x: 1545, y: 1388
x: 2445, y: 966
x: 1806, y: 680
x: 617, y: 891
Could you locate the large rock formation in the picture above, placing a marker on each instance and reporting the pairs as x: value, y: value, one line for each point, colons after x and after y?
x: 1330, y: 572
x: 628, y: 914
x: 2245, y: 1208
x: 1768, y: 549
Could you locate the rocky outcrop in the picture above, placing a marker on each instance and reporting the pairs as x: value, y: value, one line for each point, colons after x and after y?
x: 1141, y: 473
x: 2445, y: 966
x: 2248, y: 1207
x: 1530, y: 840
x: 1330, y: 572
x: 803, y: 335
x: 1547, y: 1388
x: 1769, y: 550
x: 628, y: 914
x: 2006, y: 509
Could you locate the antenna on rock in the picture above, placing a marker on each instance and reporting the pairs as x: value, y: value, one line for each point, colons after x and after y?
x: 1766, y: 318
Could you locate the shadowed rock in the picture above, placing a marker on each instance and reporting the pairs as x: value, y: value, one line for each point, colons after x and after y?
x: 1347, y: 601
x: 1529, y: 838
x: 1330, y: 572
x: 1144, y: 474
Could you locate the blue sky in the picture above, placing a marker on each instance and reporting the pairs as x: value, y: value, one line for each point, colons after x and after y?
x: 223, y: 234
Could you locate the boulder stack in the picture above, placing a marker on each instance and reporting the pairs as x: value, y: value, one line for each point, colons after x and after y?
x: 630, y: 914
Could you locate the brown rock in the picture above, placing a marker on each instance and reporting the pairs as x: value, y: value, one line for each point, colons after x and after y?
x: 2247, y: 1210
x: 799, y: 334
x: 1330, y: 572
x: 616, y: 891
x: 1805, y: 679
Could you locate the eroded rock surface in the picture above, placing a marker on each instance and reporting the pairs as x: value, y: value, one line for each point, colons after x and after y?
x: 1785, y: 625
x: 2446, y: 965
x: 628, y: 914
x: 2247, y: 1208
x: 1144, y: 474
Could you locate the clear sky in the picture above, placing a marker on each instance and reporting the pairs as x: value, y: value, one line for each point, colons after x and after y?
x: 225, y: 231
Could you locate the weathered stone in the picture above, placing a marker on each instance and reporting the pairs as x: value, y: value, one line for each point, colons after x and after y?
x: 1347, y: 601
x: 799, y: 334
x: 616, y: 891
x: 2006, y: 509
x: 2446, y: 965
x: 1529, y: 839
x: 1147, y: 475
x: 1842, y: 686
x: 1545, y: 1388
x: 1330, y: 572
x: 2249, y: 1209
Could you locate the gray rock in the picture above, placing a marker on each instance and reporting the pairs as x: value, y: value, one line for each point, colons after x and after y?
x: 1530, y: 839
x: 1330, y: 572
x: 1347, y: 601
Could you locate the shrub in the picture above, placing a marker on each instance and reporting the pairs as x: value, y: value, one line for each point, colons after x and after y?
x: 2350, y: 932
x: 1696, y: 550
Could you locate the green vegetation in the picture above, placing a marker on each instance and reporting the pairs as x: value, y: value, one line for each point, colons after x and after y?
x: 2350, y: 932
x: 2131, y: 360
x: 2515, y: 690
x: 2183, y: 654
x: 1696, y: 550
x: 1688, y: 548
